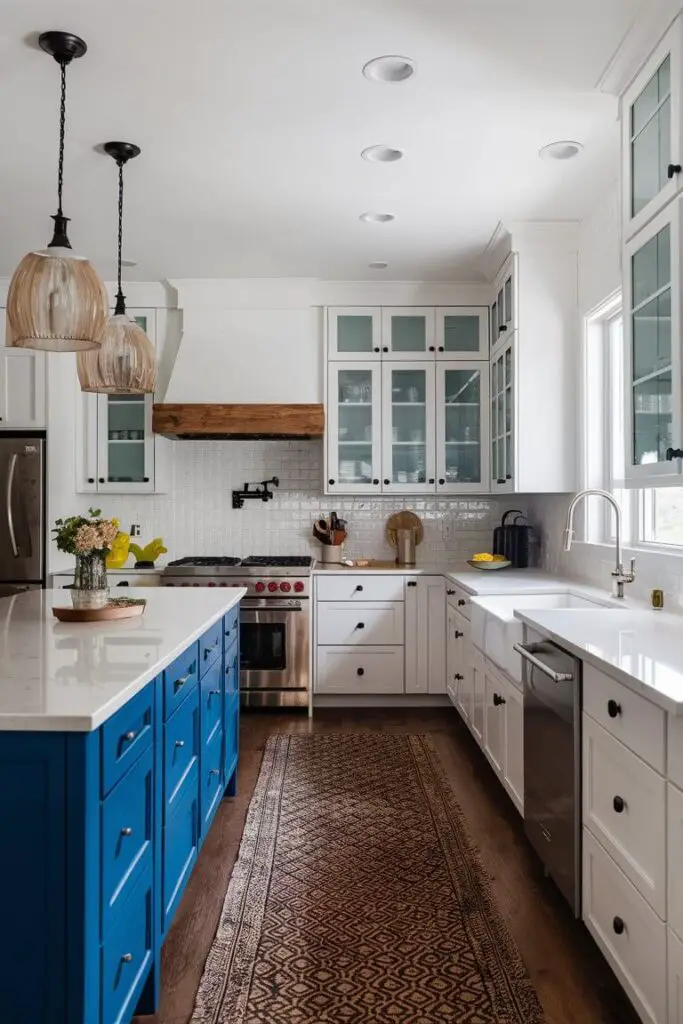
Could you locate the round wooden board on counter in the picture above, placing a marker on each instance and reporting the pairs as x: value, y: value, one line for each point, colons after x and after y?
x: 106, y: 614
x: 404, y: 520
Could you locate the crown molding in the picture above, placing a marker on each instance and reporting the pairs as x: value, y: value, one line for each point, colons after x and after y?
x: 640, y: 40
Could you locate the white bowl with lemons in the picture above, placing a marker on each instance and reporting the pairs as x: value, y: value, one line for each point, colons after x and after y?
x: 484, y: 561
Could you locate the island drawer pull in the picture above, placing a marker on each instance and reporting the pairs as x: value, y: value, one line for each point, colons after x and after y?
x: 127, y: 831
x: 214, y: 771
x: 179, y: 683
x: 208, y: 650
x: 214, y: 693
x: 127, y: 958
x: 180, y: 743
x: 130, y: 735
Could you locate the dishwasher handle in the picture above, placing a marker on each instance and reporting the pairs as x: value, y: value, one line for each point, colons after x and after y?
x: 528, y: 653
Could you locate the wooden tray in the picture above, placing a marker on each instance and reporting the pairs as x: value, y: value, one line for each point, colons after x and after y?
x: 105, y: 614
x: 405, y: 520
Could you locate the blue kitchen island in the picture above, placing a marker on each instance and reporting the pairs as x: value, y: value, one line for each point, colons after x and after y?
x: 117, y: 742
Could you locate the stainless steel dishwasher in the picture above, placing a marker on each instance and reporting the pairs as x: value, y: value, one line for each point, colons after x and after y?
x: 552, y: 760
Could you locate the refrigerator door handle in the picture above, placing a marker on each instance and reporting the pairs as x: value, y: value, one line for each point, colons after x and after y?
x: 10, y: 517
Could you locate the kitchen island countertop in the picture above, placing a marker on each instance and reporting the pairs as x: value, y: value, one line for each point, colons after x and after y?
x: 71, y: 677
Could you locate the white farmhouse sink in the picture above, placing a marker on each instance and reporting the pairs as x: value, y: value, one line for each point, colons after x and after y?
x: 494, y: 628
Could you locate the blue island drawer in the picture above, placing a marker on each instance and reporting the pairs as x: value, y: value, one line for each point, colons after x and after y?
x: 179, y: 679
x: 211, y: 694
x: 126, y: 735
x: 210, y: 646
x: 232, y: 671
x: 127, y: 954
x: 231, y: 626
x: 181, y: 748
x: 212, y: 780
x: 181, y: 842
x: 127, y: 824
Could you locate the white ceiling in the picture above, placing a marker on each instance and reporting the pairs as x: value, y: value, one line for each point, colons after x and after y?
x: 251, y: 115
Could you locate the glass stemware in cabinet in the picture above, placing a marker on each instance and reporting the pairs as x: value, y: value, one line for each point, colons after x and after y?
x: 126, y: 418
x: 462, y: 430
x: 355, y: 426
x: 409, y: 429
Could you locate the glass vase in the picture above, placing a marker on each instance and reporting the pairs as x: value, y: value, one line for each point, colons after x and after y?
x: 90, y: 588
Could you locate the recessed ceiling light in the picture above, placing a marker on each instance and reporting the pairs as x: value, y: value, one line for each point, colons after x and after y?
x: 377, y: 218
x: 389, y: 69
x: 382, y: 154
x: 378, y: 265
x: 564, y: 150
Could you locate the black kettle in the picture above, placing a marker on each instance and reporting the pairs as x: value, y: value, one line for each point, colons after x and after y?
x: 514, y: 541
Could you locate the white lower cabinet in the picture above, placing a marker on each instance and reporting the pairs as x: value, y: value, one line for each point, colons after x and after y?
x: 675, y: 972
x: 378, y: 623
x: 425, y: 635
x: 675, y: 858
x: 362, y: 670
x: 627, y: 930
x: 494, y: 719
x: 513, y: 773
x: 476, y: 687
x: 459, y: 669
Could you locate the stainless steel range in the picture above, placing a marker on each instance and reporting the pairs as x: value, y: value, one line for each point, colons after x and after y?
x: 274, y: 621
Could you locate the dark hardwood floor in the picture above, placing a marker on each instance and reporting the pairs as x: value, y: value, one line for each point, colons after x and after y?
x: 573, y: 981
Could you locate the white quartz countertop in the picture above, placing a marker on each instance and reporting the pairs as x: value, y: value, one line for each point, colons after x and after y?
x: 642, y: 648
x: 71, y: 677
x: 474, y: 581
x: 126, y: 570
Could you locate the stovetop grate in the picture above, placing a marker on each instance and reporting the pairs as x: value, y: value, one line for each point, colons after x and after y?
x: 280, y: 561
x: 205, y: 561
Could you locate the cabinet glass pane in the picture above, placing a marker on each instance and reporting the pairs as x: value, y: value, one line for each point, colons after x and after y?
x: 408, y: 426
x: 652, y: 405
x: 508, y: 300
x: 355, y: 415
x: 651, y: 267
x: 494, y: 323
x: 408, y: 334
x: 463, y: 426
x: 652, y: 336
x: 354, y: 333
x: 461, y: 333
x: 651, y: 138
x: 126, y: 438
x: 508, y: 368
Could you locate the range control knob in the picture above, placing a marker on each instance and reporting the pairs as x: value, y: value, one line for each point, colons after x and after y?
x: 169, y: 584
x: 298, y: 586
x: 259, y: 588
x: 222, y: 584
x: 211, y: 583
x: 272, y: 586
x: 285, y: 587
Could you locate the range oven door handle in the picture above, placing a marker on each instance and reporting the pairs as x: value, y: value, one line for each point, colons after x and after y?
x: 272, y: 606
x: 528, y: 653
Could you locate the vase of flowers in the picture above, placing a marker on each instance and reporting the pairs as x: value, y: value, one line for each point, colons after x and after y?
x: 89, y: 538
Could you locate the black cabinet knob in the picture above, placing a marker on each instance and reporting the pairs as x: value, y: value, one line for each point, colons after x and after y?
x: 359, y: 587
x: 376, y: 348
x: 91, y: 479
x: 674, y: 453
x: 458, y: 634
x: 498, y: 700
x: 330, y: 482
x: 462, y: 601
x: 441, y: 348
x: 432, y: 480
x: 442, y: 481
x: 412, y: 583
x: 145, y: 479
x: 618, y: 925
x: 123, y: 583
x: 458, y: 676
x: 432, y: 348
x: 508, y: 476
x: 673, y: 169
x: 360, y: 671
x: 375, y: 481
x: 613, y: 708
x: 361, y: 625
x: 385, y: 349
x: 500, y: 480
x: 387, y: 481
x: 450, y: 592
x: 502, y: 329
x: 102, y: 480
x: 618, y: 804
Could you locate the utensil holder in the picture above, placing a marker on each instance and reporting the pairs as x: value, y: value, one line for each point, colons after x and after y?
x: 331, y: 553
x: 405, y: 547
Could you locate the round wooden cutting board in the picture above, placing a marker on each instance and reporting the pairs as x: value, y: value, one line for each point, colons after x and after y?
x: 404, y: 520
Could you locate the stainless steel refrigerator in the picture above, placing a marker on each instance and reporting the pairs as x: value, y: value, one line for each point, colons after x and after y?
x: 22, y: 514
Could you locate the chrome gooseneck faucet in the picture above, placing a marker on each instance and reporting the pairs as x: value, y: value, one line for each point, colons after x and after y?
x: 619, y: 575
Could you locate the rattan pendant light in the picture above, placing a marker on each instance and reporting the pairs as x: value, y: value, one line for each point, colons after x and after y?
x: 125, y: 363
x: 56, y: 299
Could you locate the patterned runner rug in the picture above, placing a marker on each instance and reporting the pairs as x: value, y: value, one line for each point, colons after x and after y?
x: 358, y: 896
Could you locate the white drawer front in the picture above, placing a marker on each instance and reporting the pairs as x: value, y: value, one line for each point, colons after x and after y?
x: 674, y: 748
x: 379, y: 623
x: 675, y: 971
x: 637, y: 954
x: 675, y: 858
x: 359, y: 670
x: 360, y: 587
x: 628, y: 716
x: 624, y: 806
x: 458, y: 598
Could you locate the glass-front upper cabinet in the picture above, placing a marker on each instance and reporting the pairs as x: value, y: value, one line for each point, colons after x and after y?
x: 462, y: 332
x: 504, y: 305
x: 652, y: 313
x: 651, y: 134
x: 354, y: 333
x: 462, y: 440
x: 503, y: 419
x: 408, y: 428
x: 354, y: 451
x: 408, y: 333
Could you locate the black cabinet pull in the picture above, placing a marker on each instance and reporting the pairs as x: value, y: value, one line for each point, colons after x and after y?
x: 502, y: 329
x: 498, y: 700
x: 508, y: 476
x: 458, y: 676
x: 674, y: 453
x: 102, y: 480
x: 442, y: 481
x: 145, y: 479
x: 432, y: 349
x: 450, y: 592
x: 375, y: 482
x: 500, y: 480
x: 412, y: 583
x: 673, y: 169
x: 360, y: 671
x: 618, y: 804
x: 361, y: 625
x: 123, y: 583
x: 376, y: 348
x: 461, y: 601
x: 441, y: 348
x: 359, y: 587
x: 618, y: 925
x: 613, y: 708
x: 385, y: 349
x: 330, y: 482
x: 387, y: 481
x: 432, y: 480
x: 458, y: 634
x: 91, y: 479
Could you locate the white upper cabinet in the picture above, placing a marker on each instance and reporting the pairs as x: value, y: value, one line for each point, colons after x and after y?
x: 354, y: 414
x: 23, y: 403
x: 503, y: 433
x: 652, y: 135
x: 354, y: 332
x: 408, y: 428
x: 652, y: 322
x: 504, y: 305
x: 462, y: 332
x: 462, y: 436
x: 408, y: 333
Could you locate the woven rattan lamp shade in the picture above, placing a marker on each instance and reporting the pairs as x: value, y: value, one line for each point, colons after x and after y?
x: 124, y: 364
x: 56, y: 302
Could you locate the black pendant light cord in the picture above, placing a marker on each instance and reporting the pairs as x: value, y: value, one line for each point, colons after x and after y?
x: 60, y: 237
x: 120, y: 297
